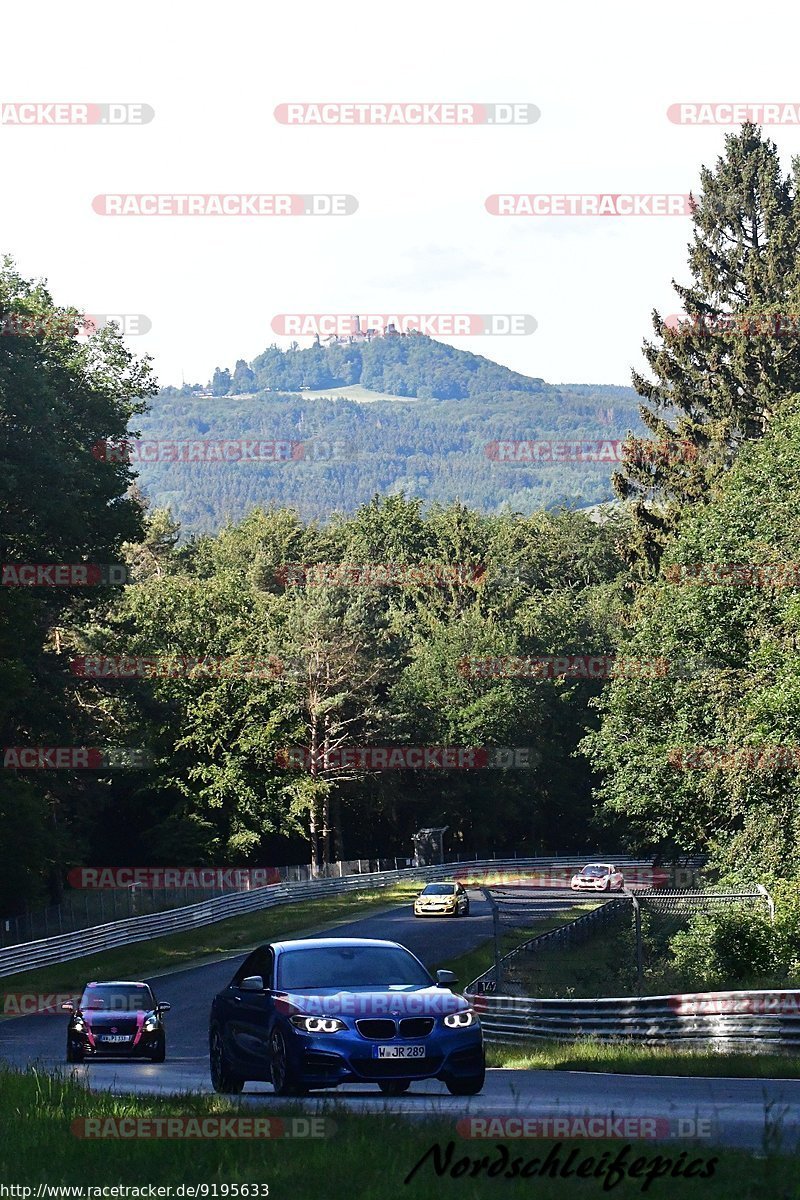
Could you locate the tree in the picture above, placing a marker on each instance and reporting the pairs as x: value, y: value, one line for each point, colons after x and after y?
x: 244, y: 379
x: 221, y: 382
x: 62, y: 500
x: 707, y: 759
x: 718, y: 374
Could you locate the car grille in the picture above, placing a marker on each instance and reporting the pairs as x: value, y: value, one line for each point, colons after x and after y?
x: 384, y: 1027
x: 415, y: 1027
x: 376, y: 1028
x: 126, y: 1026
x: 397, y: 1068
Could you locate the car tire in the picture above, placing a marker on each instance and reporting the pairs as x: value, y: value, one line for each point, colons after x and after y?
x: 394, y: 1087
x: 284, y: 1082
x: 466, y: 910
x: 73, y: 1055
x: 160, y: 1053
x: 469, y: 1085
x: 223, y: 1079
x: 605, y: 885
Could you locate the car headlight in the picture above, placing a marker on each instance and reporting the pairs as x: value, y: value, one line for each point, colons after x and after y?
x: 318, y: 1024
x: 79, y: 1025
x: 460, y: 1020
x: 151, y: 1024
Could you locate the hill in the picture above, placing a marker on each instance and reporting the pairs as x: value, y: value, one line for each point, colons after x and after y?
x: 346, y: 437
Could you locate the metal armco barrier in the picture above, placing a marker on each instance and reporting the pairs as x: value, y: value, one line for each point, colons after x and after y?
x: 748, y: 1021
x: 28, y: 955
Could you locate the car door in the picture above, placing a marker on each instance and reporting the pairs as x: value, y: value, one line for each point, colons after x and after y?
x: 250, y: 1014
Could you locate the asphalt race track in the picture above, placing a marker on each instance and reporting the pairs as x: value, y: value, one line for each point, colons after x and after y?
x: 734, y: 1110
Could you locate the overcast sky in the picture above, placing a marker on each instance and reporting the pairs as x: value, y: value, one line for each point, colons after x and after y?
x: 603, y: 76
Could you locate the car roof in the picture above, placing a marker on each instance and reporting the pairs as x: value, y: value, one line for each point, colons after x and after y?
x: 449, y: 882
x: 118, y: 983
x: 321, y: 943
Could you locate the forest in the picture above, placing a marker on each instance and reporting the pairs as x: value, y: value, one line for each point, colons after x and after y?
x: 265, y: 624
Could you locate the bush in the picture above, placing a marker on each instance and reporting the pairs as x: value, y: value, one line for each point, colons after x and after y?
x: 731, y: 949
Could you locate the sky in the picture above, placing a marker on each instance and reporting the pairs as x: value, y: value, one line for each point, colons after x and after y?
x: 421, y: 240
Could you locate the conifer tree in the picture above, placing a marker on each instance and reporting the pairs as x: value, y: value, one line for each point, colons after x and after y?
x: 718, y: 373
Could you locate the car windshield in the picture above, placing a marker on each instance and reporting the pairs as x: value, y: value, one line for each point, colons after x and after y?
x: 594, y: 872
x: 117, y: 997
x: 348, y: 967
x: 439, y: 889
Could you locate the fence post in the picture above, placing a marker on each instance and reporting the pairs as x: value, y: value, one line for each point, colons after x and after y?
x: 770, y: 902
x: 637, y: 917
x: 498, y: 967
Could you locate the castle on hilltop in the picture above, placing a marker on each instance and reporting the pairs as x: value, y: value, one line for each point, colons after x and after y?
x: 359, y: 335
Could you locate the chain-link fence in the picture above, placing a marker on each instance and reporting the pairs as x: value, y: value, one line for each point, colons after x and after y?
x: 617, y: 946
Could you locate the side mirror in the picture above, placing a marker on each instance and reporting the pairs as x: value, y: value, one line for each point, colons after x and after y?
x: 68, y: 1006
x: 443, y: 978
x: 252, y: 983
x: 163, y: 1007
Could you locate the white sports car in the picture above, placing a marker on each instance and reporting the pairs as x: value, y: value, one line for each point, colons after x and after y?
x: 598, y: 877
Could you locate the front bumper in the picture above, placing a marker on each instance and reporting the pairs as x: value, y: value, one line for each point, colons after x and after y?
x: 346, y: 1057
x: 439, y: 911
x: 148, y: 1044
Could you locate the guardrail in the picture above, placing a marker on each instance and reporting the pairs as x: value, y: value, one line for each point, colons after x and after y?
x: 64, y: 947
x: 83, y: 907
x: 758, y: 1020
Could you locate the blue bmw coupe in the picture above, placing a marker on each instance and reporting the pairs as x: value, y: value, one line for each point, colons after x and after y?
x: 324, y: 1011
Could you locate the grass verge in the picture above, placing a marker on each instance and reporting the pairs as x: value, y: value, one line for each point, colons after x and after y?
x: 626, y: 1058
x: 154, y: 957
x: 368, y: 1156
x: 472, y: 964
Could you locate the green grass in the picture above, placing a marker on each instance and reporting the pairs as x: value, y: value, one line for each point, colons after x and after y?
x: 602, y: 965
x: 627, y: 1058
x: 368, y: 1156
x: 237, y: 934
x: 353, y: 391
x: 472, y: 964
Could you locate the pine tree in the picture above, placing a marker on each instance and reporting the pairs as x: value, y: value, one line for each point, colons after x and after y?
x: 721, y: 370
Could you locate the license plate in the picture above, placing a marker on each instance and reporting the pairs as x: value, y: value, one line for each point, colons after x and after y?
x: 113, y: 1037
x: 398, y: 1051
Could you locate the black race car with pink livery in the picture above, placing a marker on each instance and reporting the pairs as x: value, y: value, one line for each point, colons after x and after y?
x: 116, y: 1020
